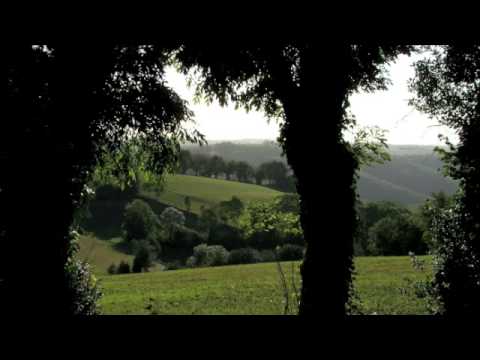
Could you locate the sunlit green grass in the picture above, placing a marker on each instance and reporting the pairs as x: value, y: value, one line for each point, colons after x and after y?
x: 206, y: 191
x: 252, y: 289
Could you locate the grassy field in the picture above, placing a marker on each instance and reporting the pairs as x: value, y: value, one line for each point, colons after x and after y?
x: 251, y: 289
x: 206, y: 191
x: 101, y: 254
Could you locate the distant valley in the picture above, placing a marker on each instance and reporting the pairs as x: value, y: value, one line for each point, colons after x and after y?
x: 412, y: 175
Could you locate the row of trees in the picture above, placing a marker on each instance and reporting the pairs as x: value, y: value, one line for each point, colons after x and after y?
x: 273, y: 173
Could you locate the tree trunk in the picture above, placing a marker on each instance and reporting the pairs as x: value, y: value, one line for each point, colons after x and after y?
x: 327, y: 197
x: 50, y: 152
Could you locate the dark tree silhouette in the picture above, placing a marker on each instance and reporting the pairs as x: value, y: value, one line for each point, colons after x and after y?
x: 185, y: 161
x: 216, y: 166
x: 447, y: 86
x: 65, y: 106
x: 243, y: 171
x: 307, y: 85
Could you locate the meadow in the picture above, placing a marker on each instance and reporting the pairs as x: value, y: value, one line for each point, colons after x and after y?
x: 205, y: 191
x: 382, y: 283
x: 254, y: 289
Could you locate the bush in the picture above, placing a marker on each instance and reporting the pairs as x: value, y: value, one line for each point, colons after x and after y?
x: 265, y: 239
x: 204, y: 255
x: 244, y: 256
x: 268, y: 256
x: 140, y: 222
x: 396, y: 236
x: 112, y: 269
x: 123, y: 268
x: 186, y: 238
x: 143, y: 258
x: 83, y: 286
x: 191, y: 262
x: 173, y: 265
x: 290, y: 252
x: 456, y: 282
x: 108, y: 192
x: 226, y: 236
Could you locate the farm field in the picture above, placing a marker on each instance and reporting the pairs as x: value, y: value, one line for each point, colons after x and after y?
x: 252, y: 289
x: 206, y: 191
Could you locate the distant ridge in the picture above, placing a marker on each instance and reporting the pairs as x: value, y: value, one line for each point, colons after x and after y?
x: 412, y: 175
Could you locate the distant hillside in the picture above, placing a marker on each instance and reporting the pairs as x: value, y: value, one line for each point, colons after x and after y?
x: 207, y: 191
x: 253, y: 153
x: 412, y: 175
x: 106, y: 215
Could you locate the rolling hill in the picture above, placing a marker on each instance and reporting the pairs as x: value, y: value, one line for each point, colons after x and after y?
x: 206, y: 191
x: 106, y: 215
x: 412, y: 175
x: 101, y: 254
x: 102, y: 245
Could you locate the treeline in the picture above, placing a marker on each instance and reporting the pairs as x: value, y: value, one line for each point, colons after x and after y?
x: 387, y: 228
x: 274, y: 174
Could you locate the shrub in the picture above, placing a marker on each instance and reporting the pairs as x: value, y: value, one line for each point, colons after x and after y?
x: 191, y: 262
x: 204, y: 255
x: 265, y: 239
x: 396, y: 236
x: 83, y: 287
x: 173, y: 265
x: 186, y: 238
x: 268, y: 256
x: 112, y: 269
x: 290, y: 252
x: 123, y: 268
x: 143, y: 258
x: 226, y: 236
x: 244, y: 256
x: 456, y: 282
x: 172, y: 217
x: 140, y: 222
x: 108, y: 192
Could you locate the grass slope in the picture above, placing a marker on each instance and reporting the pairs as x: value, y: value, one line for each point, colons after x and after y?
x: 101, y: 254
x: 251, y: 289
x: 206, y: 191
x: 106, y: 215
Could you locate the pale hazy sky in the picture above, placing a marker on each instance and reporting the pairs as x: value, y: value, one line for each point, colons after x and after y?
x: 387, y: 109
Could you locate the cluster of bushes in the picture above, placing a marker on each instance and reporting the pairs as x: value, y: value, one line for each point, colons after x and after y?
x: 233, y: 233
x: 260, y: 225
x: 122, y: 268
x: 216, y: 255
x: 386, y: 228
x: 227, y: 233
x: 148, y: 236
